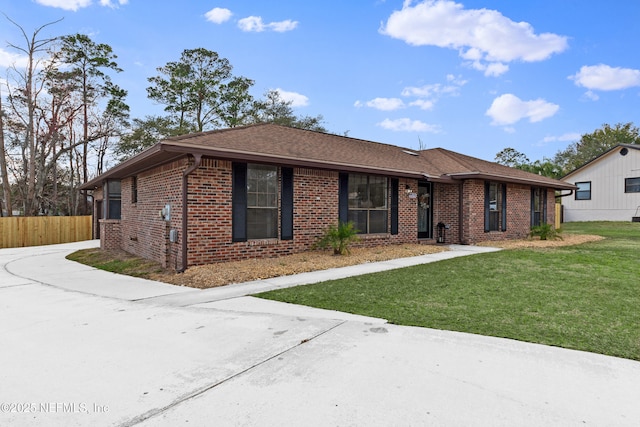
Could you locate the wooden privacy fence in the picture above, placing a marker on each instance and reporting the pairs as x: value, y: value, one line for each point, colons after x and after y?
x: 558, y: 215
x: 20, y: 231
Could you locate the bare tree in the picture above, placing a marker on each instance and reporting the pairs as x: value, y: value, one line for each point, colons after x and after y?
x: 62, y: 106
x: 6, y: 185
x: 23, y: 103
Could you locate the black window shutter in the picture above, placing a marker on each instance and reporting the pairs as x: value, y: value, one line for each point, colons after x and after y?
x: 533, y: 206
x: 487, y: 215
x: 504, y: 207
x: 394, y: 205
x: 343, y: 198
x: 105, y: 200
x: 543, y: 196
x: 286, y: 213
x: 239, y: 202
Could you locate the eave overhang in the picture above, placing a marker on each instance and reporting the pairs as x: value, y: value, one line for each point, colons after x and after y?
x: 555, y: 184
x: 167, y: 151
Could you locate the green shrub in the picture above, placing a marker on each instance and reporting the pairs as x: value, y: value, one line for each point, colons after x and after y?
x: 339, y: 238
x: 546, y: 232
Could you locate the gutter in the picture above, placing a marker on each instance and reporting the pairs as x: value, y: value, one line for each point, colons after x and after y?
x: 564, y: 195
x: 516, y: 180
x: 441, y: 179
x: 185, y: 211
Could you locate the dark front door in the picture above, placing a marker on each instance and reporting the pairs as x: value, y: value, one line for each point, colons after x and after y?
x: 425, y: 215
x: 98, y: 212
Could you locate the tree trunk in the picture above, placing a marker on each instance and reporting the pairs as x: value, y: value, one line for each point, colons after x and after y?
x: 6, y: 186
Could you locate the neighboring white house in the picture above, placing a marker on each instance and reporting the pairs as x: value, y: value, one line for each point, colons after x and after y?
x: 608, y: 187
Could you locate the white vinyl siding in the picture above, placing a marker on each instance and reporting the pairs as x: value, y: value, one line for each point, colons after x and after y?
x: 610, y: 200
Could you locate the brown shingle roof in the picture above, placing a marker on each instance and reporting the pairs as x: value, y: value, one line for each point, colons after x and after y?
x: 460, y: 166
x: 269, y: 143
x: 286, y: 145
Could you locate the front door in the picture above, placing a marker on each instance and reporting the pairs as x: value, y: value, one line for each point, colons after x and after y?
x: 425, y: 216
x: 98, y: 212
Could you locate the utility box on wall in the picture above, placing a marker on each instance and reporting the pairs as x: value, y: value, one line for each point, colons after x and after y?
x: 165, y: 213
x: 173, y: 235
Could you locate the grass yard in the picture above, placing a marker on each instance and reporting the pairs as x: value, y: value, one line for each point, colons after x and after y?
x: 117, y: 262
x: 584, y: 297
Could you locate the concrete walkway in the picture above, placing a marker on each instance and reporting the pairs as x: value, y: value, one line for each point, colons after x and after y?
x: 46, y: 265
x: 82, y: 347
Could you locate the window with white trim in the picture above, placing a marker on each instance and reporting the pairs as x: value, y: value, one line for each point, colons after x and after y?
x: 262, y: 201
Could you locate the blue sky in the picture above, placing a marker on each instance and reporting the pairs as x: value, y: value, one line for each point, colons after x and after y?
x: 471, y: 76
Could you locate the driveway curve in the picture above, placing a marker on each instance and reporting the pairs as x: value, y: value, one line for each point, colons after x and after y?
x: 81, y: 347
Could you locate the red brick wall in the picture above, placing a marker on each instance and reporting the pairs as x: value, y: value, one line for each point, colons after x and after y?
x: 110, y: 234
x: 551, y: 207
x: 446, y: 198
x: 473, y: 213
x: 315, y: 208
x: 407, y: 213
x: 518, y: 212
x: 446, y: 201
x: 315, y: 205
x: 143, y: 232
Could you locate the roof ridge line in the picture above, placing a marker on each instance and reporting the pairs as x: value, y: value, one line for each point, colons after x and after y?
x: 451, y: 155
x: 210, y: 132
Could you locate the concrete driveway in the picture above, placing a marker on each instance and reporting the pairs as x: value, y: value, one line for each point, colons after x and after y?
x: 81, y: 347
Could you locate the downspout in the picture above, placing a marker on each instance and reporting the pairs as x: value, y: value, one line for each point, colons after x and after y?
x: 461, y: 214
x: 185, y: 210
x: 560, y: 196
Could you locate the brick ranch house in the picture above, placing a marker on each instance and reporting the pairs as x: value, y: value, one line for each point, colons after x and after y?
x: 267, y: 190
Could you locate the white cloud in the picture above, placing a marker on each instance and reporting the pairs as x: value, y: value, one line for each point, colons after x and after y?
x: 218, y: 15
x: 591, y: 95
x: 408, y: 125
x: 112, y: 5
x: 567, y: 137
x: 493, y: 69
x: 426, y: 95
x: 255, y: 24
x: 383, y: 104
x: 296, y: 99
x: 485, y: 38
x: 604, y: 77
x: 7, y: 59
x: 251, y: 23
x: 437, y: 89
x: 283, y: 26
x: 429, y: 94
x: 508, y: 109
x: 65, y: 4
x: 423, y: 104
x: 74, y: 5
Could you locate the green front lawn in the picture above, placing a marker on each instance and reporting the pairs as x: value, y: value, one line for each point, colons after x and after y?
x: 584, y: 297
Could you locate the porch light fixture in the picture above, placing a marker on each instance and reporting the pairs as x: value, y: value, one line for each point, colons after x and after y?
x: 407, y: 188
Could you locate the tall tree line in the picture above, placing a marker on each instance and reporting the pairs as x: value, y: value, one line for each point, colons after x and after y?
x: 63, y: 120
x: 200, y: 93
x: 587, y: 148
x: 62, y: 112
